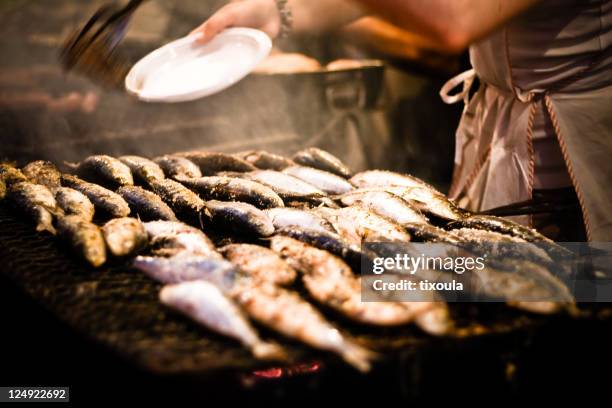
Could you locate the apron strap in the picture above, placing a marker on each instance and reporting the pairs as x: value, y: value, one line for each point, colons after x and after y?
x: 466, y: 79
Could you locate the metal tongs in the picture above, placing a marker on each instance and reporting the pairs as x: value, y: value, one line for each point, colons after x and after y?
x: 558, y: 203
x: 92, y: 49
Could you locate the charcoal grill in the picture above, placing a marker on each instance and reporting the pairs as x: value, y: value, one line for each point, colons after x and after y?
x: 115, y: 309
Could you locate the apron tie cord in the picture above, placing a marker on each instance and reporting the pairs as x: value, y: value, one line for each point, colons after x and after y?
x: 466, y: 79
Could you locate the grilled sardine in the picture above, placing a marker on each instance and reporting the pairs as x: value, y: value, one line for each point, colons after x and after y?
x: 105, y: 170
x: 104, y: 200
x: 322, y: 160
x: 124, y: 236
x: 233, y: 189
x: 43, y: 172
x: 175, y: 166
x: 36, y: 202
x: 84, y: 237
x: 73, y: 202
x: 260, y: 263
x: 239, y: 217
x: 145, y: 204
x: 144, y: 171
x: 207, y: 305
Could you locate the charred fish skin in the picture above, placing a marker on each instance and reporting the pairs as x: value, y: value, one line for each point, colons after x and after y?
x: 265, y: 160
x: 214, y: 162
x: 240, y: 217
x: 43, y: 172
x: 124, y: 236
x: 351, y: 253
x: 143, y: 170
x: 103, y: 199
x: 73, y: 202
x: 327, y: 182
x: 207, y: 305
x: 184, y: 202
x: 233, y: 189
x: 429, y: 233
x: 176, y: 166
x: 84, y: 237
x: 36, y: 202
x: 170, y: 238
x: 286, y: 313
x: 386, y: 205
x: 105, y: 170
x: 322, y: 160
x: 501, y: 225
x: 11, y: 174
x: 284, y: 217
x: 259, y: 263
x: 145, y: 204
x: 331, y: 282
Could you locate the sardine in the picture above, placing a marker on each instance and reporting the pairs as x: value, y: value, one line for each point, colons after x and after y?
x: 43, y: 172
x: 207, y: 305
x: 36, y: 202
x: 175, y: 238
x: 217, y: 271
x: 386, y: 205
x: 265, y: 160
x: 429, y: 202
x: 143, y: 170
x: 359, y: 225
x: 286, y: 313
x: 331, y: 282
x: 233, y: 189
x: 499, y: 247
x: 124, y: 236
x: 327, y: 182
x: 289, y: 188
x: 523, y: 284
x: 239, y: 217
x: 429, y: 233
x: 145, y: 204
x: 105, y: 170
x: 350, y: 252
x: 175, y: 166
x: 11, y: 174
x: 382, y: 178
x: 322, y: 160
x: 84, y: 237
x: 73, y: 202
x: 294, y: 217
x: 501, y: 225
x: 184, y: 202
x: 104, y: 200
x: 260, y: 263
x: 214, y: 162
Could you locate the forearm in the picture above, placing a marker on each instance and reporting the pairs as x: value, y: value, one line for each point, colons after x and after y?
x: 454, y: 24
x: 315, y: 16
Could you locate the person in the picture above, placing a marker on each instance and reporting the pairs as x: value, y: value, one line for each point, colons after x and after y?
x: 539, y: 124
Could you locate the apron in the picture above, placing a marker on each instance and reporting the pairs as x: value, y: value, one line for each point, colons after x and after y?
x: 555, y: 62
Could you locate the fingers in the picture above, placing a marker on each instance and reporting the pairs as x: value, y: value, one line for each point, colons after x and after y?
x: 221, y: 20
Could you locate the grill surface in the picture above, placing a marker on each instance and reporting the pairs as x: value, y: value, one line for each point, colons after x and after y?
x: 117, y: 307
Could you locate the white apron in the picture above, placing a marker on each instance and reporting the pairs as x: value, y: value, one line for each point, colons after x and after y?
x: 548, y: 72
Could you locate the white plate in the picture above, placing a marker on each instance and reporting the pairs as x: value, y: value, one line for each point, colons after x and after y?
x: 183, y: 70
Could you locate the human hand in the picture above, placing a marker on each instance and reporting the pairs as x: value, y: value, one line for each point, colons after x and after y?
x: 260, y: 14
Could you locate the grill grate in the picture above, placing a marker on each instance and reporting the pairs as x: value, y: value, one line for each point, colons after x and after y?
x: 117, y: 307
